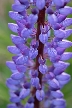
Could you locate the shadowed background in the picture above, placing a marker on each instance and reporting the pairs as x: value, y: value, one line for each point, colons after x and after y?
x: 5, y: 6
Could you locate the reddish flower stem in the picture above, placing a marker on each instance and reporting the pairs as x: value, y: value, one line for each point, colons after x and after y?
x: 41, y: 20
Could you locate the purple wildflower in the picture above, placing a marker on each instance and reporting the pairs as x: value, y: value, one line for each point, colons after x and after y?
x: 31, y: 77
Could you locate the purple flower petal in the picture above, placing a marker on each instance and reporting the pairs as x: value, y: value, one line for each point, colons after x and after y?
x: 22, y: 60
x: 66, y: 10
x: 13, y: 50
x: 67, y: 22
x: 27, y: 85
x: 14, y: 58
x: 68, y: 32
x: 24, y: 70
x: 54, y: 83
x: 49, y: 76
x: 61, y: 18
x: 58, y: 102
x: 11, y: 65
x: 14, y: 71
x: 32, y: 18
x: 11, y: 86
x: 34, y: 43
x: 17, y: 76
x: 15, y: 99
x: 29, y: 105
x: 13, y: 27
x: 65, y: 44
x: 25, y: 33
x: 59, y: 33
x: 67, y: 1
x: 43, y: 68
x: 52, y: 52
x: 11, y: 106
x: 64, y: 82
x: 24, y: 49
x: 58, y: 3
x: 35, y: 81
x: 16, y: 39
x: 18, y: 7
x: 61, y: 64
x: 21, y: 68
x: 56, y: 26
x: 64, y: 76
x: 12, y: 81
x: 52, y: 19
x: 15, y: 15
x: 40, y: 95
x: 61, y: 106
x: 66, y: 56
x: 23, y: 1
x: 43, y: 38
x: 49, y: 10
x: 16, y: 1
x: 58, y: 70
x: 40, y: 4
x: 33, y: 53
x: 24, y: 93
x: 60, y: 50
x: 30, y: 63
x: 57, y: 94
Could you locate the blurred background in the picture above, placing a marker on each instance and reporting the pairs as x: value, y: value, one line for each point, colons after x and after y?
x: 5, y: 6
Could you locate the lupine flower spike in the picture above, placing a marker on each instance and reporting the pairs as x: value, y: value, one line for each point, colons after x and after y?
x: 40, y: 36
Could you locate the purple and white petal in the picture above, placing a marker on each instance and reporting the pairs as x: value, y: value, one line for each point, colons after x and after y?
x: 52, y: 19
x: 15, y: 15
x: 57, y: 94
x: 24, y: 93
x: 61, y: 64
x: 22, y: 60
x: 16, y: 39
x: 66, y: 10
x: 54, y: 83
x: 62, y: 83
x: 11, y: 65
x: 64, y: 44
x: 13, y: 50
x: 68, y: 33
x: 12, y: 81
x: 13, y: 27
x: 59, y: 33
x: 64, y: 76
x: 66, y: 56
x: 67, y: 22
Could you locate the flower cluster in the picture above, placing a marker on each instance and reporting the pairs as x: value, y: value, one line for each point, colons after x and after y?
x: 39, y: 37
